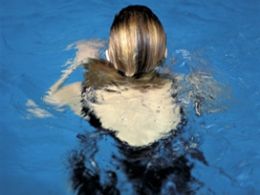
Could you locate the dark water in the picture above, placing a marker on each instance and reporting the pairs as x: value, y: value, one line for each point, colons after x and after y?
x: 161, y: 168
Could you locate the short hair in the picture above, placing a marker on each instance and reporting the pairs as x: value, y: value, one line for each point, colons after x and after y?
x: 137, y: 41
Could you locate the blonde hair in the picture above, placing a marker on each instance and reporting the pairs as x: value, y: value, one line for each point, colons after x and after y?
x: 137, y: 41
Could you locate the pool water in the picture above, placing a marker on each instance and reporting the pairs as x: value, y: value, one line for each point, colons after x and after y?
x: 37, y: 141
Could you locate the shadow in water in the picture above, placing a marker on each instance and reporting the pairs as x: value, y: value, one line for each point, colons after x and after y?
x: 164, y: 167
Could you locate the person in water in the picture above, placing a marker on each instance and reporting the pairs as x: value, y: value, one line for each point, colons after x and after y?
x: 127, y: 95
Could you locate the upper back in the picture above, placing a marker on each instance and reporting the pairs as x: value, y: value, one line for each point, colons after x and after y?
x: 139, y: 112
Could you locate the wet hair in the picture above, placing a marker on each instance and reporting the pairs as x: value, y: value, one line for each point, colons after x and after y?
x: 137, y: 41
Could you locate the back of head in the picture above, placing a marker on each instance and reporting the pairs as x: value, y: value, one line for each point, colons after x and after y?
x: 137, y: 41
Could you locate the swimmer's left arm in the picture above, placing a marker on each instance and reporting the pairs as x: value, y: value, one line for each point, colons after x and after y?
x: 85, y: 51
x: 69, y: 95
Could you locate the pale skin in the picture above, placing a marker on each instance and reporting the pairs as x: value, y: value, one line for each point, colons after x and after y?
x: 149, y: 113
x: 70, y: 95
x: 153, y: 113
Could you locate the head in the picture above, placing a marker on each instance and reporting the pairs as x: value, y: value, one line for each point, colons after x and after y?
x: 137, y: 42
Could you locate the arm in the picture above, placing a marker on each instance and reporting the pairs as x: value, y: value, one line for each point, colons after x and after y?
x: 71, y: 95
x: 85, y: 51
x: 66, y: 73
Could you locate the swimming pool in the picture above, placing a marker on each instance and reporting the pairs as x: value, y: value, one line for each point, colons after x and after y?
x: 221, y: 36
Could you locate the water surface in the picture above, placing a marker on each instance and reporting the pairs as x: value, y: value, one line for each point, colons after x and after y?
x: 217, y: 36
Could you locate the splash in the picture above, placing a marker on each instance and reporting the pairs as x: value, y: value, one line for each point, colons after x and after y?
x: 35, y: 111
x: 202, y: 91
x: 198, y: 88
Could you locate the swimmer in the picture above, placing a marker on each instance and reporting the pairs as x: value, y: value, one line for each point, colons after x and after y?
x: 125, y: 93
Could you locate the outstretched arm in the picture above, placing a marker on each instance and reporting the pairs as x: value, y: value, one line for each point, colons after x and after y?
x: 65, y: 75
x: 85, y: 51
x: 70, y: 95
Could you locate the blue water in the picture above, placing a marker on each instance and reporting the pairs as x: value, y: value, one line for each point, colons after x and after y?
x: 222, y: 36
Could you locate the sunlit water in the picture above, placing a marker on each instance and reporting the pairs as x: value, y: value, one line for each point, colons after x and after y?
x: 219, y: 37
